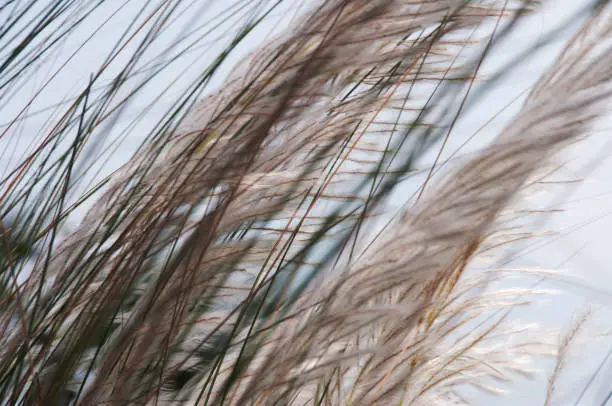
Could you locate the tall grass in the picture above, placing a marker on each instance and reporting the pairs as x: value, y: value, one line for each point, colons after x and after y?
x: 243, y: 254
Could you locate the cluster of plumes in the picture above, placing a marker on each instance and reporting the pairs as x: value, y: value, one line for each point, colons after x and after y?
x: 391, y: 309
x: 199, y: 225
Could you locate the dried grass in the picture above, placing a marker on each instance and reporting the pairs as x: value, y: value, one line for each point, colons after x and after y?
x: 231, y: 260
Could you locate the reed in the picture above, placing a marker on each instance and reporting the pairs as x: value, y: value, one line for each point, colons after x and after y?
x: 240, y: 255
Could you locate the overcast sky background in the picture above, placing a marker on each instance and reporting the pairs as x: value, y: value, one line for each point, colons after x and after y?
x: 582, y: 250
